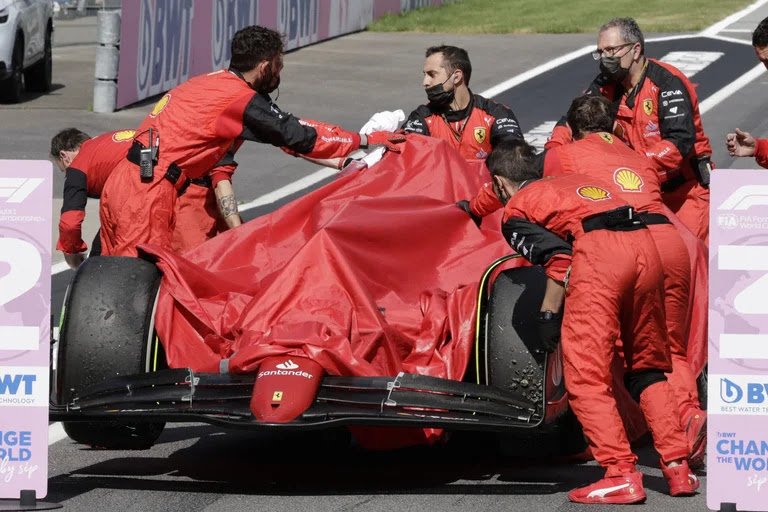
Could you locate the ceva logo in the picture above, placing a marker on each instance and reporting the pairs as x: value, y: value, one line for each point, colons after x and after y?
x: 730, y: 392
x: 16, y: 190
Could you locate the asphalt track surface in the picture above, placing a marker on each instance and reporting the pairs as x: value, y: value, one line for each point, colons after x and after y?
x: 197, y: 467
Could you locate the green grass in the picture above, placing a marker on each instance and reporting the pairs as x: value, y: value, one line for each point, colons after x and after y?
x: 558, y: 16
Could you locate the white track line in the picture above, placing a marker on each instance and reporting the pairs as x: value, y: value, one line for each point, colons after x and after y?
x: 730, y: 39
x: 730, y: 20
x: 731, y: 88
x: 56, y: 433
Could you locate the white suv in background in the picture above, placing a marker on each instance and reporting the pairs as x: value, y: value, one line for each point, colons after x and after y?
x: 26, y: 42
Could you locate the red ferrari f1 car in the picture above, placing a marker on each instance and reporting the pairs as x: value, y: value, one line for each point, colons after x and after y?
x: 112, y: 387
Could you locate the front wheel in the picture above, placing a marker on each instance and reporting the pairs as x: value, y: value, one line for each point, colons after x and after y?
x: 108, y: 331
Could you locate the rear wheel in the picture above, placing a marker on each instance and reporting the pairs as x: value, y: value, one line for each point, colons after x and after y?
x: 39, y: 76
x: 515, y: 363
x: 12, y: 88
x: 108, y: 331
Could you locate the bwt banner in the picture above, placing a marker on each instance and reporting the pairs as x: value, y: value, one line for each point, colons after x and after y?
x: 737, y: 446
x: 25, y: 323
x: 165, y: 42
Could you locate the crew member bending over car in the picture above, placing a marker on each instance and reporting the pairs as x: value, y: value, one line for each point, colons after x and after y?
x: 88, y: 163
x: 191, y: 130
x: 656, y: 111
x: 612, y: 278
x: 596, y: 153
x: 472, y: 124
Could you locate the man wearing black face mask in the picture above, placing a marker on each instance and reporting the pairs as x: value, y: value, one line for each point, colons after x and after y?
x: 199, y: 125
x: 656, y: 113
x: 472, y: 124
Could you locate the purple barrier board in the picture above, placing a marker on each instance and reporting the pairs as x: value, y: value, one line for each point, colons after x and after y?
x: 737, y: 455
x: 165, y: 42
x: 26, y: 189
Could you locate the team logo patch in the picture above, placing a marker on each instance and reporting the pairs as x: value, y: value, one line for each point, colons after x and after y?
x: 648, y: 106
x: 480, y: 134
x: 607, y: 137
x: 628, y: 180
x: 160, y: 105
x: 593, y: 193
x: 123, y: 135
x: 277, y: 396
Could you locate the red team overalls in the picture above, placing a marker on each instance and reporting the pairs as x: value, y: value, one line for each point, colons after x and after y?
x: 198, y: 122
x: 631, y: 179
x: 615, y: 289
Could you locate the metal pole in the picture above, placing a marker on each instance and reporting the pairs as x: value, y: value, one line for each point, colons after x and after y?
x: 107, y: 57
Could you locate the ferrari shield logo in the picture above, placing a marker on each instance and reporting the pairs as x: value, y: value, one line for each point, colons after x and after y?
x: 277, y: 396
x: 480, y: 135
x: 607, y: 137
x: 648, y: 106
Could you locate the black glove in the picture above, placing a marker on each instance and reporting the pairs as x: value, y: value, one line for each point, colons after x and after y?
x: 548, y: 327
x: 464, y: 205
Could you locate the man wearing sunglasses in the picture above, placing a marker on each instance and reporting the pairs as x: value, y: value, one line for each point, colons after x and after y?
x: 656, y: 112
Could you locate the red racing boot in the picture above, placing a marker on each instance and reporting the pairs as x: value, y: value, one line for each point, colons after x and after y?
x: 681, y: 480
x: 620, y: 486
x: 695, y: 425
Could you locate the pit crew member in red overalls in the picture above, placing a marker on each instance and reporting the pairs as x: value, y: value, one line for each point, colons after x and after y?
x: 472, y: 124
x: 656, y: 113
x: 601, y: 257
x: 193, y: 129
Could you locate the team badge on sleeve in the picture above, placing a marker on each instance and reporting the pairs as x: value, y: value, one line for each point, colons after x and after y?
x: 160, y: 105
x: 123, y: 135
x: 593, y: 193
x: 628, y: 180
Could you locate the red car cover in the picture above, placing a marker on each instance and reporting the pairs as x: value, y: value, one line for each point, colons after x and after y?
x: 372, y: 274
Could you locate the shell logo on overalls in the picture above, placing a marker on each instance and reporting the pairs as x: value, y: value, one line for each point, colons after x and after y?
x: 123, y: 135
x: 628, y: 180
x: 160, y: 105
x: 593, y: 193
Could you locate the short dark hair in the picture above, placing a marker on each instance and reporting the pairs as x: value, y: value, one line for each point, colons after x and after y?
x: 515, y: 160
x: 454, y: 58
x: 629, y: 30
x: 252, y: 45
x: 68, y: 139
x: 590, y: 114
x: 760, y: 35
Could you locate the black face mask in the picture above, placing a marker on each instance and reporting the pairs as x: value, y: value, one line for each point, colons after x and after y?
x: 611, y: 68
x: 268, y: 83
x: 438, y: 96
x: 501, y: 193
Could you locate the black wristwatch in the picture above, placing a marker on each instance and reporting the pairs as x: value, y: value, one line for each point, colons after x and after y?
x: 547, y: 315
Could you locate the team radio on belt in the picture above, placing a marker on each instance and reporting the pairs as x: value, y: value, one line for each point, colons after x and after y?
x: 605, y: 209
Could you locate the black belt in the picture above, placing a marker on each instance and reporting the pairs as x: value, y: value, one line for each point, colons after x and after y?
x: 620, y: 219
x: 674, y: 183
x: 173, y: 174
x: 653, y: 218
x: 205, y: 181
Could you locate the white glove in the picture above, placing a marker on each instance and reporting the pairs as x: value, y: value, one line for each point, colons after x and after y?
x: 385, y: 121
